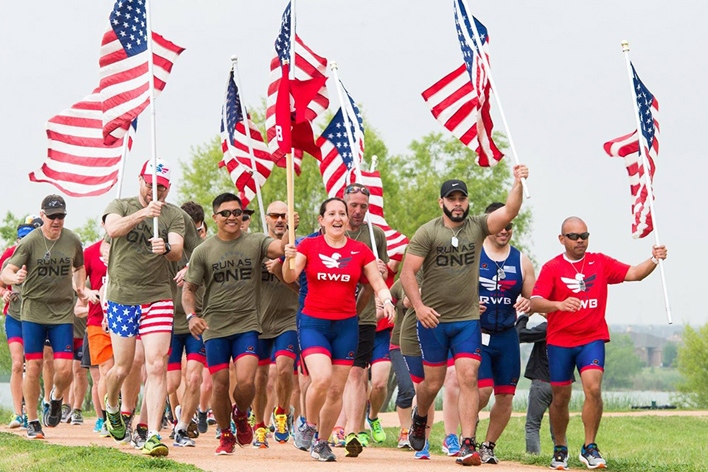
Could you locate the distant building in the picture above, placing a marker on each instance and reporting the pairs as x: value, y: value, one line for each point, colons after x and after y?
x: 648, y: 347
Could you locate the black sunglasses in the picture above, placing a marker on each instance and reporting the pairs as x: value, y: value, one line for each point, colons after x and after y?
x: 576, y: 236
x: 56, y: 217
x: 357, y: 189
x: 245, y: 217
x: 275, y: 216
x: 227, y: 213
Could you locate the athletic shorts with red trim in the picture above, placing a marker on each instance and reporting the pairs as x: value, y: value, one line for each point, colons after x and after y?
x: 337, y: 339
x: 60, y: 336
x: 460, y: 338
x: 185, y: 344
x: 219, y: 351
x: 562, y: 361
x: 128, y: 321
x: 13, y: 330
x: 382, y: 346
x: 415, y: 367
x: 285, y: 344
x: 501, y: 362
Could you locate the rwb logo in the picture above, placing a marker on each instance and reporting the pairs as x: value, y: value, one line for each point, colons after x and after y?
x: 162, y: 169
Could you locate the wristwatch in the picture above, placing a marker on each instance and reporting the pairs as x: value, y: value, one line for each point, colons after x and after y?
x: 168, y: 248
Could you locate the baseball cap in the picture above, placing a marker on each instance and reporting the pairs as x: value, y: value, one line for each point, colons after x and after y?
x: 248, y: 212
x: 24, y: 229
x: 450, y: 186
x: 54, y: 205
x: 163, y: 172
x: 34, y: 220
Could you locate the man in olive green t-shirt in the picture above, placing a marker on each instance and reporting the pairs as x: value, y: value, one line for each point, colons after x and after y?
x: 139, y: 294
x: 228, y: 265
x: 47, y: 262
x: 447, y: 302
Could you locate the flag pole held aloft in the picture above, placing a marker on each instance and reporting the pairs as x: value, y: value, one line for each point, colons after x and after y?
x: 643, y: 146
x: 153, y: 127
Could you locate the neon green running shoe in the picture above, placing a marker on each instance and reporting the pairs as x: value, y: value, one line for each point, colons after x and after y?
x: 114, y: 423
x: 153, y: 447
x: 363, y: 438
x: 377, y: 432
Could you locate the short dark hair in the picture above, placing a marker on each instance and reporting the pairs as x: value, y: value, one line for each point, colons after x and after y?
x: 323, y: 207
x: 492, y: 207
x: 195, y: 210
x: 223, y: 198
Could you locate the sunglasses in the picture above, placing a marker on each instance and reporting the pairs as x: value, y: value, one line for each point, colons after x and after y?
x: 357, y: 189
x: 227, y: 213
x: 275, y: 216
x: 576, y: 236
x: 56, y: 217
x: 245, y: 217
x: 201, y: 228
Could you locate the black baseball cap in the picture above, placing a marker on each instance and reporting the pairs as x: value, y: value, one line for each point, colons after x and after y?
x: 54, y: 205
x: 450, y: 186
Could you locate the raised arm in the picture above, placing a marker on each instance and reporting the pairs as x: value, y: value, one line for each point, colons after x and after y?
x: 642, y: 270
x: 498, y: 219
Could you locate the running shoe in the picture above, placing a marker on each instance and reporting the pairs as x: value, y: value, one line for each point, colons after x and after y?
x: 560, y: 458
x: 377, y: 432
x: 55, y: 414
x: 251, y: 418
x: 424, y: 453
x: 127, y: 421
x: 303, y: 437
x: 193, y: 429
x: 322, y: 452
x: 24, y: 420
x: 291, y: 421
x: 45, y: 413
x: 34, y: 430
x: 65, y: 413
x: 590, y: 456
x: 153, y: 447
x: 260, y: 440
x: 363, y: 438
x: 15, y: 421
x: 486, y: 453
x: 353, y: 445
x: 114, y: 423
x: 468, y: 453
x: 210, y: 418
x: 182, y: 439
x: 338, y: 438
x: 77, y: 417
x: 281, y: 432
x: 451, y: 445
x: 416, y: 435
x: 403, y: 442
x: 202, y: 421
x: 227, y: 444
x: 244, y: 431
x: 140, y: 435
x: 98, y: 426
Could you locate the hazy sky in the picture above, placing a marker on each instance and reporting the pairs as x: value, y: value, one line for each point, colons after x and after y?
x: 558, y: 66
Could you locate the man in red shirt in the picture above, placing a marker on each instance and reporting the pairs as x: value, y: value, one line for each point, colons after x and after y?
x: 572, y: 290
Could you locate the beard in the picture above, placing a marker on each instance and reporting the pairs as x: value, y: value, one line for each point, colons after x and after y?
x: 456, y: 219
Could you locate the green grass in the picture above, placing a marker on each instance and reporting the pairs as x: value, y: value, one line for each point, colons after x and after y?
x: 21, y: 455
x: 629, y: 444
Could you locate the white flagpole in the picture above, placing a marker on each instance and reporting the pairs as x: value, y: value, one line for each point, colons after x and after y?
x: 153, y: 129
x: 254, y: 175
x: 352, y: 146
x: 121, y: 169
x: 483, y: 57
x: 289, y: 162
x: 647, y: 176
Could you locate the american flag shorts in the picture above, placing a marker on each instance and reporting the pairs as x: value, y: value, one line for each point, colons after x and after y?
x: 130, y: 320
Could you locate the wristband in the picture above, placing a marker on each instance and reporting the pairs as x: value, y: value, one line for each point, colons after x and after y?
x: 654, y: 260
x: 190, y: 316
x: 390, y: 302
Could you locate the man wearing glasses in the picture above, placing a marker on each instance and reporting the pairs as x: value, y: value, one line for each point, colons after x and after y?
x: 572, y: 290
x: 140, y: 296
x: 446, y: 303
x: 46, y: 263
x: 228, y: 265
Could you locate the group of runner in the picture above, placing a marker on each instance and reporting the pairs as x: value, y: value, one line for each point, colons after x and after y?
x: 299, y: 337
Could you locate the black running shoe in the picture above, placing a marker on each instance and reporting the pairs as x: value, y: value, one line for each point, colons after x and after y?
x: 416, y: 435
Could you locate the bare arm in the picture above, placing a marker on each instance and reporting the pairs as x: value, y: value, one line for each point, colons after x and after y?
x: 13, y: 275
x: 498, y: 219
x: 197, y: 325
x: 642, y: 270
x: 291, y: 275
x: 542, y: 306
x: 427, y: 316
x: 523, y: 304
x: 117, y: 225
x: 371, y: 271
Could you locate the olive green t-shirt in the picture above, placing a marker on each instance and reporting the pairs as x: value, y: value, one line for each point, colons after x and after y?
x: 79, y: 327
x: 47, y: 292
x: 410, y: 346
x: 231, y: 274
x: 278, y: 306
x: 136, y: 276
x: 15, y: 305
x: 191, y: 241
x: 368, y: 315
x: 451, y: 282
x: 397, y: 294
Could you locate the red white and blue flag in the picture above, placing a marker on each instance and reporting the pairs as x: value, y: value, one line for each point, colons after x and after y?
x: 628, y: 146
x: 235, y: 146
x: 78, y: 162
x: 460, y: 100
x: 337, y: 161
x: 124, y: 73
x: 293, y: 104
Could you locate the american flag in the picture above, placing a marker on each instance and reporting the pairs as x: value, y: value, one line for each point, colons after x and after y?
x: 292, y: 105
x: 460, y: 100
x: 234, y: 144
x: 337, y: 161
x: 395, y: 242
x: 627, y: 146
x: 78, y: 162
x: 123, y: 69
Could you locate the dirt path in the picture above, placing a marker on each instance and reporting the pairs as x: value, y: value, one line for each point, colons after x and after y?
x: 282, y: 457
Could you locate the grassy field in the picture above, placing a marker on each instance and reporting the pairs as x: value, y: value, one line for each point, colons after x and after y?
x: 629, y: 444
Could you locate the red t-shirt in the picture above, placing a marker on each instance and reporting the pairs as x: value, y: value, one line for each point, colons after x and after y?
x: 96, y: 273
x: 559, y: 280
x: 5, y: 256
x: 332, y: 276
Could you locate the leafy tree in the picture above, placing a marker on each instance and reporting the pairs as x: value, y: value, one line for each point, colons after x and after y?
x: 89, y: 232
x: 668, y: 356
x: 621, y: 362
x: 691, y: 361
x: 8, y: 229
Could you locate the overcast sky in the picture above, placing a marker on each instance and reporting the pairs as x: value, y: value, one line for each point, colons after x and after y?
x: 558, y: 66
